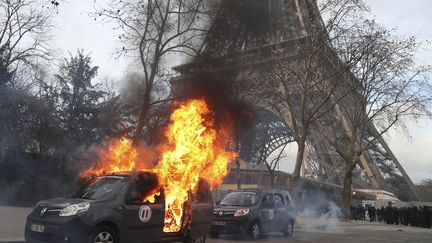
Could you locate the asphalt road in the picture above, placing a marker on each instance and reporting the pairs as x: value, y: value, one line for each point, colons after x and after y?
x: 359, y: 236
x: 12, y: 222
x: 353, y: 236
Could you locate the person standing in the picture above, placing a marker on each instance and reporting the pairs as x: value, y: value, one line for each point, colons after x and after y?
x: 363, y: 213
x: 381, y: 214
x: 426, y: 217
x: 414, y: 217
x: 421, y: 217
x: 389, y: 214
x: 372, y: 213
x: 396, y: 215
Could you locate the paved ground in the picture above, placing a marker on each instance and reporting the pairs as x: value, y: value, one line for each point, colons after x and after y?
x: 308, y: 230
x: 12, y: 223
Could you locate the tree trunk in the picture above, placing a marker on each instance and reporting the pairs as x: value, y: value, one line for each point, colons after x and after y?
x: 346, y: 193
x: 143, y: 115
x: 296, y: 174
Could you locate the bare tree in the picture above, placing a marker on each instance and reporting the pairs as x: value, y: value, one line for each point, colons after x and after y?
x: 154, y: 31
x: 24, y: 33
x: 389, y: 88
x: 425, y: 188
x: 310, y: 87
x: 273, y: 164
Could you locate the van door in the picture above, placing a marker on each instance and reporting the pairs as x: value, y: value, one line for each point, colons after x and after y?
x: 202, y: 211
x: 282, y: 215
x: 143, y: 220
x: 267, y: 212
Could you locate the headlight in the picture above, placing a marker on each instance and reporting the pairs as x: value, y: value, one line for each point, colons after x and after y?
x: 241, y: 212
x: 74, y: 209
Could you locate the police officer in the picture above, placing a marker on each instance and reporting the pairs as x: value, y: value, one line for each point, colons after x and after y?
x: 414, y: 217
x: 389, y: 214
x: 372, y: 213
x: 426, y: 217
x: 396, y: 215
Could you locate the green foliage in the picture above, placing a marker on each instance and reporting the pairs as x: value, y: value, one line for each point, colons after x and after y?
x: 26, y: 178
x: 79, y: 99
x: 44, y: 132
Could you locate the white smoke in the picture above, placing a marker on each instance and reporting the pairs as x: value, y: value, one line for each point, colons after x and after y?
x: 325, y: 216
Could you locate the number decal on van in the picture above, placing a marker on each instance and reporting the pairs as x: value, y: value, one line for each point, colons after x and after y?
x: 271, y: 214
x: 145, y: 213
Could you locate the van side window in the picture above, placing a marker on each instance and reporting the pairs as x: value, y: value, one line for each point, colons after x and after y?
x: 268, y: 201
x: 280, y: 203
x: 143, y: 191
x: 288, y: 200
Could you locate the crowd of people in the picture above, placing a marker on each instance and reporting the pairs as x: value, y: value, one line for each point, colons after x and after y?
x: 412, y: 216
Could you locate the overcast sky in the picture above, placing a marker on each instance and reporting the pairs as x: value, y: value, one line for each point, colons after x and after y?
x: 413, y: 150
x: 75, y: 30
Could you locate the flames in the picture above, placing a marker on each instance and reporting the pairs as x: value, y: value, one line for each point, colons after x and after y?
x: 120, y: 155
x: 194, y: 150
x: 195, y: 147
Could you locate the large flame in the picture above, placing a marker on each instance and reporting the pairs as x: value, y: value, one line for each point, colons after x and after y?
x: 194, y: 150
x: 119, y: 156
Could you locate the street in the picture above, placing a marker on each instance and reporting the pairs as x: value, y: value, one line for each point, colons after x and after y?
x: 352, y: 236
x: 357, y: 236
x: 307, y: 230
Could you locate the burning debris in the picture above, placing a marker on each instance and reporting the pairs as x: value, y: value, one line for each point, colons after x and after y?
x: 196, y: 148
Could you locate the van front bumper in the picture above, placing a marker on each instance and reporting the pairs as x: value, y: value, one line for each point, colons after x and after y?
x: 56, y: 230
x: 220, y: 227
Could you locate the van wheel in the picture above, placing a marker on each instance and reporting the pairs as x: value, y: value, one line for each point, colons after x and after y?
x: 254, y: 231
x: 289, y: 229
x: 103, y: 234
x: 201, y: 239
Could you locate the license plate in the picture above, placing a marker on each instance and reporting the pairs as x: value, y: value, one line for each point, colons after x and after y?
x: 219, y: 223
x: 37, y: 228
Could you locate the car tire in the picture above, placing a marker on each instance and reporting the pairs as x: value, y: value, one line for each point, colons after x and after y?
x: 289, y: 229
x: 103, y: 234
x: 200, y: 239
x: 253, y: 232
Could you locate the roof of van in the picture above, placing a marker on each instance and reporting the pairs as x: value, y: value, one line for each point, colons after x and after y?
x: 261, y: 189
x: 126, y: 173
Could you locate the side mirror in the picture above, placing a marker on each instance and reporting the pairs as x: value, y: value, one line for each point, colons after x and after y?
x: 217, y: 202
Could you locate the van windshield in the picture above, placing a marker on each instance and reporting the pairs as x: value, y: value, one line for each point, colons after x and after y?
x: 101, y: 188
x: 242, y: 199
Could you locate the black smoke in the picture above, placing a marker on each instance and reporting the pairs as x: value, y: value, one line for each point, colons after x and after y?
x: 218, y: 95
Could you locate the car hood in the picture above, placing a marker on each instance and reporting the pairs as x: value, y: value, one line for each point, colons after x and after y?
x: 227, y: 208
x: 61, y: 202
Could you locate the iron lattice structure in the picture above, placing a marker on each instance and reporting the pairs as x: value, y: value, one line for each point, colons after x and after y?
x: 269, y: 133
x: 240, y: 47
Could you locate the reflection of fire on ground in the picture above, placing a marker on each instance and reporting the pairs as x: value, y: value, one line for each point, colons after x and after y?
x: 195, y: 148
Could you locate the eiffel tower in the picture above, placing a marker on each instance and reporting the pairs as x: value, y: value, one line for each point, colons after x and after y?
x: 240, y: 48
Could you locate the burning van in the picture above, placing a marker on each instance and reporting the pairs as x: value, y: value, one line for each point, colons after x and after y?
x: 169, y: 201
x: 119, y: 207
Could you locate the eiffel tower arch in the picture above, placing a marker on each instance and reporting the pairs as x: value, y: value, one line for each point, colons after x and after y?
x: 240, y: 48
